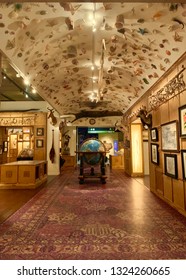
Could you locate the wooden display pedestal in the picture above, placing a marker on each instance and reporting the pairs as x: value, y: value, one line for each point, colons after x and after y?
x: 23, y: 174
x: 92, y: 174
x: 117, y: 162
x: 70, y: 161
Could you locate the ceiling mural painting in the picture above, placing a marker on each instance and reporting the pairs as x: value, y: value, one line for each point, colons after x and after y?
x: 99, y: 57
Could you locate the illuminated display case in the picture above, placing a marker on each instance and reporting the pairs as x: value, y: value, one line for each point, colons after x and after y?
x: 136, y: 149
x: 18, y: 139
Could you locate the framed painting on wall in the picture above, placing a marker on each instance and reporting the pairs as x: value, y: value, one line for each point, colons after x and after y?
x: 39, y: 143
x: 171, y: 168
x: 154, y: 134
x: 169, y: 137
x: 183, y: 159
x: 154, y: 153
x: 182, y: 120
x: 40, y: 131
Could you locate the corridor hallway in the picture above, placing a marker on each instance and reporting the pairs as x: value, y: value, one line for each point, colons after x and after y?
x: 119, y: 220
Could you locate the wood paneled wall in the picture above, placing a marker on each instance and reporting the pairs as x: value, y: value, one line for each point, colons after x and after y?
x: 171, y: 190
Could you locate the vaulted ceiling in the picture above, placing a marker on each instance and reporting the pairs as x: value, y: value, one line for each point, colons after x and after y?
x: 92, y: 57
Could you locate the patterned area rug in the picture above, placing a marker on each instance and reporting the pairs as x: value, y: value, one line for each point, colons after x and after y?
x: 119, y: 220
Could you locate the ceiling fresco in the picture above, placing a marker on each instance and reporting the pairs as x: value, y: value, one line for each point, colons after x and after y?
x: 92, y: 57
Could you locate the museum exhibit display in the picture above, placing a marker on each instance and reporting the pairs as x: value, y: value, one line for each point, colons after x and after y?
x: 23, y: 174
x: 26, y: 154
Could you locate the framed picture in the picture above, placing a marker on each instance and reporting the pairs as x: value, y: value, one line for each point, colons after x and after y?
x: 182, y: 120
x: 154, y: 134
x: 171, y: 168
x: 183, y: 159
x: 169, y: 137
x: 13, y: 141
x: 40, y: 131
x: 39, y: 143
x: 154, y: 153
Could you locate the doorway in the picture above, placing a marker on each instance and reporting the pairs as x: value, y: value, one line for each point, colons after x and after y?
x: 112, y: 140
x: 140, y: 152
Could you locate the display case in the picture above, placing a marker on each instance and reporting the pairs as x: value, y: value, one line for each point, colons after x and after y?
x: 23, y: 130
x: 23, y: 174
x: 18, y: 139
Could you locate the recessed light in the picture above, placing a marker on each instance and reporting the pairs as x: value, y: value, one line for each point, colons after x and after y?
x: 26, y: 82
x: 34, y: 90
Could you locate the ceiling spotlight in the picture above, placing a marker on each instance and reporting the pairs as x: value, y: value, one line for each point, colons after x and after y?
x: 92, y: 67
x: 26, y: 95
x: 4, y: 77
x: 18, y: 75
x: 26, y: 82
x: 34, y: 90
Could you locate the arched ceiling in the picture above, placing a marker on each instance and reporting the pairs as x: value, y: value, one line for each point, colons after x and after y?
x: 54, y: 45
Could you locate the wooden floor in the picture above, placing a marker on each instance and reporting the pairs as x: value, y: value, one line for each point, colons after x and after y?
x: 12, y: 200
x: 144, y: 180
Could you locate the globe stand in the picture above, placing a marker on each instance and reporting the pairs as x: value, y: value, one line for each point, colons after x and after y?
x: 92, y: 171
x: 92, y: 174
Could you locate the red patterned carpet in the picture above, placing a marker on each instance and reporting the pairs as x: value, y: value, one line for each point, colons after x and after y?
x: 119, y: 220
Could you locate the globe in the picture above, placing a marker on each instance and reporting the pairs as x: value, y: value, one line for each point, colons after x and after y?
x: 92, y: 145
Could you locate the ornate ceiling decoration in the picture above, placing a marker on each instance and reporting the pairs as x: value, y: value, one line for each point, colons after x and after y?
x: 77, y: 53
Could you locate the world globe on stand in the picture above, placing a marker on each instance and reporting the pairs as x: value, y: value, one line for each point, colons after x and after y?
x: 92, y: 145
